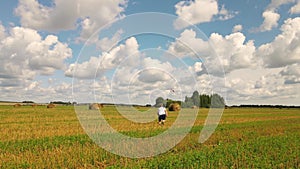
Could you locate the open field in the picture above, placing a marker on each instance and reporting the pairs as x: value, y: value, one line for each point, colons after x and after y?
x: 37, y: 137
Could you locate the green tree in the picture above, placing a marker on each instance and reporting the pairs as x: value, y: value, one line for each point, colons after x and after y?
x: 168, y: 102
x: 188, y: 102
x: 217, y: 101
x: 159, y: 101
x: 205, y: 101
x: 196, y: 98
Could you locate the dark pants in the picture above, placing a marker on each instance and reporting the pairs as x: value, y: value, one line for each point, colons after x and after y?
x: 161, y: 117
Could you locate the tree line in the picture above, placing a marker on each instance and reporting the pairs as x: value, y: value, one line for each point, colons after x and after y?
x: 196, y: 100
x: 263, y: 106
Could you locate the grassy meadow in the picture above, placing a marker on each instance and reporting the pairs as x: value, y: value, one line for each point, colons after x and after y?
x: 37, y: 137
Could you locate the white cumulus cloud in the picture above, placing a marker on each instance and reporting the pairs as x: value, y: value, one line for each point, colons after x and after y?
x: 270, y: 20
x: 296, y: 8
x: 232, y: 51
x: 2, y: 31
x: 285, y: 49
x: 291, y: 74
x: 195, y: 12
x: 224, y: 14
x: 106, y: 61
x: 88, y: 15
x: 237, y: 28
x: 188, y: 44
x: 107, y: 43
x: 200, y: 11
x: 25, y: 54
x: 271, y: 15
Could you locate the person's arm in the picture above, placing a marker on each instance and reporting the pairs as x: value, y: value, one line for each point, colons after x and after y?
x: 166, y: 112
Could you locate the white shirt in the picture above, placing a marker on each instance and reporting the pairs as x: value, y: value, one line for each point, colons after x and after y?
x: 161, y: 111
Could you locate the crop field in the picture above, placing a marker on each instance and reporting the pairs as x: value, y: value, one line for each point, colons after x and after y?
x: 37, y: 137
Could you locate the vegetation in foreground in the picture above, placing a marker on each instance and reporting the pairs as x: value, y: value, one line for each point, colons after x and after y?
x: 36, y: 137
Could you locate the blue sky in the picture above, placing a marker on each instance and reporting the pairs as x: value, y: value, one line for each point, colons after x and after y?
x: 254, y: 43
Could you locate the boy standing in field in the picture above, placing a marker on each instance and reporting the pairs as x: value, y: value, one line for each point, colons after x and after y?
x: 162, y: 114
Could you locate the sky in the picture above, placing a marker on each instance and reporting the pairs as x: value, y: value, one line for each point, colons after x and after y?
x: 133, y: 51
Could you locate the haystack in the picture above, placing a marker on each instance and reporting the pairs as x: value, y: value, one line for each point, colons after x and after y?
x: 95, y: 106
x: 49, y: 106
x: 17, y: 105
x: 174, y: 107
x: 194, y: 107
x: 34, y: 105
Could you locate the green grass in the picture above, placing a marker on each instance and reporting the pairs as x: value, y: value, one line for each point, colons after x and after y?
x: 245, y: 138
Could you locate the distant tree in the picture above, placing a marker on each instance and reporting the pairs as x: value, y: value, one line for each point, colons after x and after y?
x: 159, y: 101
x: 27, y: 101
x: 188, y: 99
x: 61, y: 102
x: 205, y: 101
x: 217, y: 101
x: 168, y: 102
x: 188, y: 102
x: 196, y: 98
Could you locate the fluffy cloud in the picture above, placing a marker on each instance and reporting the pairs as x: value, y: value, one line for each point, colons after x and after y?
x: 153, y: 75
x: 291, y: 70
x: 291, y: 74
x: 274, y: 4
x: 271, y: 16
x: 136, y: 84
x: 35, y: 15
x: 196, y: 11
x: 199, y: 11
x: 107, y: 43
x: 24, y: 54
x: 117, y: 55
x: 232, y: 51
x: 155, y: 71
x: 85, y: 70
x: 284, y: 50
x: 133, y: 77
x: 270, y: 20
x: 145, y: 70
x: 48, y: 55
x: 38, y: 91
x: 278, y: 80
x: 237, y: 28
x: 91, y: 14
x: 154, y: 63
x: 263, y: 86
x: 188, y: 44
x: 197, y: 67
x: 296, y: 8
x: 235, y: 54
x: 2, y: 31
x: 95, y: 90
x: 253, y: 86
x: 224, y: 14
x: 126, y: 86
x: 106, y: 61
